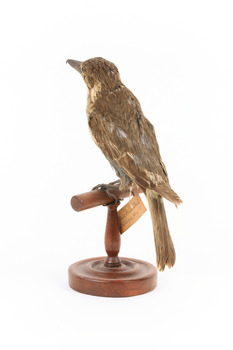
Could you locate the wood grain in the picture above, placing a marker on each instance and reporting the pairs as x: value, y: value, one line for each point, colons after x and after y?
x: 133, y: 277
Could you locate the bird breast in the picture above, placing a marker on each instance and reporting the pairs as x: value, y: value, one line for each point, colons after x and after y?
x: 94, y: 92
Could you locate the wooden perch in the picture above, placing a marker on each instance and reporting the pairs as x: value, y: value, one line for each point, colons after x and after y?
x: 110, y: 276
x: 98, y: 197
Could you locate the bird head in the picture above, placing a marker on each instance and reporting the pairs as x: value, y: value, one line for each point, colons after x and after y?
x: 97, y: 72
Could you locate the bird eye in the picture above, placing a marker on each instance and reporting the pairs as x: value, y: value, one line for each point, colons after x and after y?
x: 83, y: 69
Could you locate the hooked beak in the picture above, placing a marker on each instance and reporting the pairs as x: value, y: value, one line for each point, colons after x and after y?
x: 75, y: 64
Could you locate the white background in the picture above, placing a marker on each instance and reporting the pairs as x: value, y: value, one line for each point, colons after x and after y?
x: 176, y: 57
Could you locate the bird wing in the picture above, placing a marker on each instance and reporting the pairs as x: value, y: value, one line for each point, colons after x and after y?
x: 128, y: 139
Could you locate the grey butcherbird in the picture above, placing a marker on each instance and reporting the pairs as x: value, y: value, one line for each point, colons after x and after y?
x: 127, y: 139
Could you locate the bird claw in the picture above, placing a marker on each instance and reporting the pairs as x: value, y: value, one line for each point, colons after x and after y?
x: 111, y: 186
x: 107, y: 188
x: 115, y: 200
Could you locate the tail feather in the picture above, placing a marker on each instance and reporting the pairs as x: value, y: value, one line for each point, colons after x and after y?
x: 167, y: 192
x: 165, y: 251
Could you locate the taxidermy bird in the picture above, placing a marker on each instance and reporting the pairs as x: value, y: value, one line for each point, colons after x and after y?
x: 127, y: 139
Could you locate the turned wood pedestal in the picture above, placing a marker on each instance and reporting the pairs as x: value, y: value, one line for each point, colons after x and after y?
x: 110, y: 276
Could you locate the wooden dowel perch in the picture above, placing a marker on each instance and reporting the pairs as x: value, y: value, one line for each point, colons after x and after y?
x: 97, y: 197
x: 110, y: 276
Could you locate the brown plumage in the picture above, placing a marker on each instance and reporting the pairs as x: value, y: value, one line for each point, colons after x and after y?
x: 128, y: 141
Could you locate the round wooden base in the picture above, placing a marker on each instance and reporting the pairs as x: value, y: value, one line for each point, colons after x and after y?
x: 133, y: 277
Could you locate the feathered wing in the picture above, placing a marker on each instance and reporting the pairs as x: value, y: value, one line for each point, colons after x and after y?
x: 128, y: 139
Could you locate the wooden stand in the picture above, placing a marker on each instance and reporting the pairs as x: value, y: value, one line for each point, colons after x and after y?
x: 110, y: 276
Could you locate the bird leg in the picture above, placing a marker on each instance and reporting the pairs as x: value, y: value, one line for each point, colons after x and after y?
x: 112, y: 186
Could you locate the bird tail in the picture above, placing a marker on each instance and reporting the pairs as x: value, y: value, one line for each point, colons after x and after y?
x: 165, y: 251
x: 167, y: 192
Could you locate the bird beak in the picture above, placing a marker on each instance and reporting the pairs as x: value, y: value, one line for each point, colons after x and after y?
x: 75, y: 64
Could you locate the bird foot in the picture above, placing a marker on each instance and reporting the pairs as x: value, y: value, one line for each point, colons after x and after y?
x: 115, y: 185
x: 112, y: 186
